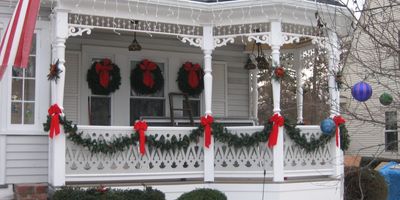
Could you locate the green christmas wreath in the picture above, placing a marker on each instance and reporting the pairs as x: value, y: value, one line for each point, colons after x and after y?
x: 147, y: 78
x: 103, y: 77
x: 190, y: 78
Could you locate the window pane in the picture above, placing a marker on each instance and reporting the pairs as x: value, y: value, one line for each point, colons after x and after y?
x: 33, y: 48
x: 30, y: 71
x: 391, y: 120
x: 16, y: 91
x: 100, y: 111
x: 29, y: 113
x: 195, y: 105
x: 29, y: 90
x: 146, y: 107
x: 16, y: 113
x: 391, y: 141
x: 17, y: 72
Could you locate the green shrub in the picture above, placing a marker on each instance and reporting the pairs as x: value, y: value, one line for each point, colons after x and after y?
x: 72, y: 193
x: 364, y: 182
x: 203, y: 194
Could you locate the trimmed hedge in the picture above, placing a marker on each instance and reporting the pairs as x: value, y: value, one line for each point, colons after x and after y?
x: 68, y: 193
x: 203, y: 194
x: 364, y: 182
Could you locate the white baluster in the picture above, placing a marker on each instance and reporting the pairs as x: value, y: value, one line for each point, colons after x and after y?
x: 299, y: 90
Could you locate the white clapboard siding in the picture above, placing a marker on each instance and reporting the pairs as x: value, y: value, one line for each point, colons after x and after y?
x: 219, y: 90
x: 71, y: 90
x: 26, y: 159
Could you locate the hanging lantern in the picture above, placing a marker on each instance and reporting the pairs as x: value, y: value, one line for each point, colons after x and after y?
x: 249, y: 65
x: 328, y: 126
x: 386, y: 99
x: 361, y: 91
x: 262, y: 62
x: 134, y: 46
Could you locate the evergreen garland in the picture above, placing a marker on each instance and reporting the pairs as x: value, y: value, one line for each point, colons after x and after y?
x: 93, y: 80
x: 183, y: 81
x: 220, y: 133
x: 137, y: 80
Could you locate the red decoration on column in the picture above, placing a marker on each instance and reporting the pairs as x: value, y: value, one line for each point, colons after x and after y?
x: 278, y: 122
x: 54, y: 112
x: 141, y: 127
x: 103, y: 68
x: 147, y: 67
x: 206, y: 122
x: 279, y: 72
x: 193, y: 78
x: 338, y: 121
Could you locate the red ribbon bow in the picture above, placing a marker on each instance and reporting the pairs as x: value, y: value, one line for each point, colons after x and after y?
x: 54, y: 112
x: 193, y: 78
x: 206, y: 122
x: 141, y: 127
x: 147, y: 67
x: 103, y: 68
x: 278, y: 122
x: 338, y: 121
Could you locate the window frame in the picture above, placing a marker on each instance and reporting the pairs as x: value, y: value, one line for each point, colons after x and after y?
x: 387, y: 131
x: 164, y: 71
x: 36, y: 125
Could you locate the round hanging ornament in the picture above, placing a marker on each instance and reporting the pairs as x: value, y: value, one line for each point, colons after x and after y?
x: 279, y: 72
x: 103, y: 77
x: 361, y: 91
x: 190, y: 78
x: 328, y: 126
x: 147, y: 78
x: 386, y: 99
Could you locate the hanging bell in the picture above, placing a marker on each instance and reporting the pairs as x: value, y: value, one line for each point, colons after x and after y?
x: 249, y: 65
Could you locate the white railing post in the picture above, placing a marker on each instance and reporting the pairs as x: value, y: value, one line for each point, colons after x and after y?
x: 334, y: 95
x: 208, y: 47
x: 299, y: 83
x: 278, y: 153
x: 59, y: 23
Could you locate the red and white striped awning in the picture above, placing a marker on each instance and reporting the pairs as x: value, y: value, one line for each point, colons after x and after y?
x: 17, y: 40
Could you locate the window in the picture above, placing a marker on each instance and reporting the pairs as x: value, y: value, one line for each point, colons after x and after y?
x: 391, y: 137
x: 23, y: 91
x: 147, y: 105
x: 194, y: 104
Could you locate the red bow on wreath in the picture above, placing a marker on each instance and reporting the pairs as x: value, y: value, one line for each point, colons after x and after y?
x: 206, y: 122
x: 141, y: 127
x: 278, y: 122
x: 147, y: 67
x: 54, y: 112
x: 103, y: 68
x: 339, y: 120
x: 193, y: 78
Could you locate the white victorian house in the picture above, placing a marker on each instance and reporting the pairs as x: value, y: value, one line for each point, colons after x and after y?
x: 211, y: 33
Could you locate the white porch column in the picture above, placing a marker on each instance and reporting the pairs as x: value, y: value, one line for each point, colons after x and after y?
x: 299, y: 84
x: 278, y: 154
x: 334, y: 96
x: 254, y: 98
x: 59, y: 23
x: 208, y: 47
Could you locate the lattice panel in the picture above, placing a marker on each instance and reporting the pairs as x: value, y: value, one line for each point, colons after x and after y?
x: 241, y: 29
x: 80, y: 161
x: 255, y: 158
x: 125, y: 24
x: 297, y: 158
x: 299, y: 29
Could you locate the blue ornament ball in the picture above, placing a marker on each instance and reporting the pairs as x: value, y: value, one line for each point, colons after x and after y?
x: 361, y: 91
x: 328, y: 126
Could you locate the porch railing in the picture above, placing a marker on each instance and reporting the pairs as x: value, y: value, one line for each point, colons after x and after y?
x: 188, y: 163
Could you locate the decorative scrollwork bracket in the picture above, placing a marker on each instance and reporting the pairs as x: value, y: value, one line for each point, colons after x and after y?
x: 78, y: 31
x: 193, y: 41
x: 222, y: 41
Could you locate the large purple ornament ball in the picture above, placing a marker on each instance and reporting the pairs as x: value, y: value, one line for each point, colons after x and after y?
x: 328, y: 126
x: 361, y: 91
